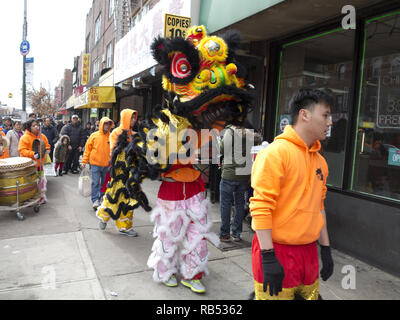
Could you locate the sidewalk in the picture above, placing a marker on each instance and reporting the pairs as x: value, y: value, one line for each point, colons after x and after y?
x: 59, y: 253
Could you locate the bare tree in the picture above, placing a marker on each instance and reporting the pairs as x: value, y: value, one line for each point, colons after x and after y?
x: 41, y: 102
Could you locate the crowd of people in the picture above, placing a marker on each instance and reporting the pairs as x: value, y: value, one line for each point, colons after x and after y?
x: 288, y: 179
x: 45, y: 140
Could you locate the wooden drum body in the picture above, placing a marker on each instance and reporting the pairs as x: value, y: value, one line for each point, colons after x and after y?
x: 21, y: 170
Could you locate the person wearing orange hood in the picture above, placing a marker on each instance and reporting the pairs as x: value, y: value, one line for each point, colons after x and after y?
x: 4, y: 145
x: 288, y: 216
x: 25, y: 149
x: 124, y: 222
x: 97, y: 154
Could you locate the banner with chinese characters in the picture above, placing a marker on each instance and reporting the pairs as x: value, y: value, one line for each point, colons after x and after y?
x: 85, y: 68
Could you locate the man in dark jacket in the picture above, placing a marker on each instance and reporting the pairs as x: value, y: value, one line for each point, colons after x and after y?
x: 51, y: 134
x: 77, y: 141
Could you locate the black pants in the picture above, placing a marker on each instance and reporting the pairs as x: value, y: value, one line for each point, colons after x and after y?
x: 72, y: 161
x: 51, y: 153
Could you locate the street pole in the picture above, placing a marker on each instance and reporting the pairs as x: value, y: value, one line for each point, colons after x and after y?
x: 24, y: 34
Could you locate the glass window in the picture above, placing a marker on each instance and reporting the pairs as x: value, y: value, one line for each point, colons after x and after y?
x: 377, y: 154
x: 110, y: 8
x: 96, y: 68
x: 321, y: 61
x: 109, y: 55
x: 97, y: 34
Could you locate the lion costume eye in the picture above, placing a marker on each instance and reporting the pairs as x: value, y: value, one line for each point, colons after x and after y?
x: 180, y: 66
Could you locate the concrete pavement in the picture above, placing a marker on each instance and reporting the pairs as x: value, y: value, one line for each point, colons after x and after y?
x: 59, y: 253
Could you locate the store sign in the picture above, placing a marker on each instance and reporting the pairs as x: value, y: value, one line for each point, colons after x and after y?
x: 132, y: 53
x: 285, y: 119
x: 388, y: 116
x: 176, y: 26
x: 394, y: 157
x: 85, y: 68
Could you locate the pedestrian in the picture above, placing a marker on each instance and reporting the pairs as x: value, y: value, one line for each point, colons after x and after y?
x: 59, y: 126
x: 288, y: 215
x: 235, y: 179
x: 77, y: 141
x: 124, y: 222
x: 8, y: 125
x: 87, y: 131
x: 97, y: 154
x: 32, y: 116
x: 60, y: 154
x: 14, y: 136
x: 4, y: 145
x: 26, y: 149
x: 51, y: 133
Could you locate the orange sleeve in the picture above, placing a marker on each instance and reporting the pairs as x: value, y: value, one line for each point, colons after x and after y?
x: 267, y: 173
x: 25, y: 147
x: 324, y: 188
x: 88, y: 149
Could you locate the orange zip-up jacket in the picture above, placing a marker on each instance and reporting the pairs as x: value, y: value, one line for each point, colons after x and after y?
x: 25, y: 147
x: 125, y: 124
x: 6, y: 145
x: 97, y: 147
x: 289, y: 182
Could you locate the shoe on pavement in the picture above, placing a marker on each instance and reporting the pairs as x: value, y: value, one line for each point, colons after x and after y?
x: 102, y: 225
x: 65, y: 172
x: 75, y: 171
x: 96, y: 204
x: 226, y: 238
x: 130, y: 233
x: 172, y: 282
x: 194, y: 285
x: 236, y: 238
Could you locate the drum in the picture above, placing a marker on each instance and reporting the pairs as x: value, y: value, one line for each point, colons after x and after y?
x: 21, y: 170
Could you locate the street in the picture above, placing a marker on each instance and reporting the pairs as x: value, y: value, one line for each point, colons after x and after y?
x: 59, y: 253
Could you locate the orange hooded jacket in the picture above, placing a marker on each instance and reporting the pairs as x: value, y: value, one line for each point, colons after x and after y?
x: 97, y: 148
x: 125, y: 124
x: 289, y: 182
x: 25, y: 146
x: 6, y: 144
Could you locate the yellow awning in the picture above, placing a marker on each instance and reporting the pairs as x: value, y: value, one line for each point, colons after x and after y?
x: 97, y: 97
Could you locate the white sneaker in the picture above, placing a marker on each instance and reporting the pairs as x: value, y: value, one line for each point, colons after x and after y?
x: 171, y: 282
x: 96, y: 204
x: 130, y: 233
x: 194, y: 285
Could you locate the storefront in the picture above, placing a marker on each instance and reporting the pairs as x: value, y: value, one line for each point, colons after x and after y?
x: 362, y: 68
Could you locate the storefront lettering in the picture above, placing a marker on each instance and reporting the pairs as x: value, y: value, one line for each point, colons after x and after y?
x: 388, y: 120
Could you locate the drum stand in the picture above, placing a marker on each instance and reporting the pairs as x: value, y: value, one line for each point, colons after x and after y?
x: 35, y: 201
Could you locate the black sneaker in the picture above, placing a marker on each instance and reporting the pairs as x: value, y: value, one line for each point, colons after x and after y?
x: 226, y: 238
x: 75, y: 171
x: 65, y: 172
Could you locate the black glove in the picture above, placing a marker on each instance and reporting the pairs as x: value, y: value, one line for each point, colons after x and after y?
x: 273, y: 272
x: 327, y: 262
x: 36, y: 155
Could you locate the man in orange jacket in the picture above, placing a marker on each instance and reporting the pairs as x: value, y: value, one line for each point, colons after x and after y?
x: 289, y: 182
x: 97, y: 153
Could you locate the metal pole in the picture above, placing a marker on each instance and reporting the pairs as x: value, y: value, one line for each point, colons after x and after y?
x: 24, y: 34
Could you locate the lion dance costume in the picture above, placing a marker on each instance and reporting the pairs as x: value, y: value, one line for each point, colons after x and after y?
x: 203, y: 90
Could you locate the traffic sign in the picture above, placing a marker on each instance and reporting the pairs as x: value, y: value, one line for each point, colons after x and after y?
x: 24, y: 47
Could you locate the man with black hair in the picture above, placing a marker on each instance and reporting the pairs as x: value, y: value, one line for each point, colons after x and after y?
x: 51, y: 134
x: 31, y: 116
x: 77, y: 141
x: 288, y: 216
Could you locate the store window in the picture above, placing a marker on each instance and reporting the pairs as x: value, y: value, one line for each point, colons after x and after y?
x: 109, y: 55
x: 321, y: 61
x: 97, y: 34
x: 377, y: 154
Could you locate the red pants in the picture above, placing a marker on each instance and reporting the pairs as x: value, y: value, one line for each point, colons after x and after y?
x: 59, y: 165
x: 300, y: 263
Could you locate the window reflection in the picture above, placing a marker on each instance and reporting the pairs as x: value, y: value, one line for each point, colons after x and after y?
x: 377, y: 158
